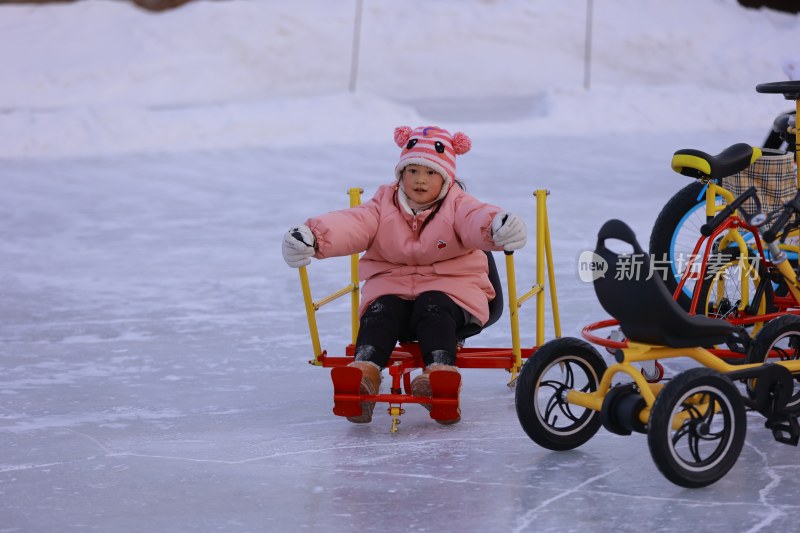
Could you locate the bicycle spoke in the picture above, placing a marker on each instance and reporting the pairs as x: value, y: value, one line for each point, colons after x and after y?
x: 711, y: 404
x: 566, y: 408
x: 552, y: 403
x: 681, y: 432
x: 569, y: 377
x: 694, y: 446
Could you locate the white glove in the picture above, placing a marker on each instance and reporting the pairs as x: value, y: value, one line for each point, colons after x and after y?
x: 508, y: 231
x: 298, y: 246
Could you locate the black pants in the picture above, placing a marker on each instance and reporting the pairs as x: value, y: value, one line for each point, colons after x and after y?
x: 432, y: 319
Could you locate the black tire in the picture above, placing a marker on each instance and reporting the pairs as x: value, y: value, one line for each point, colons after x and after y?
x: 708, y: 443
x: 555, y: 368
x: 780, y: 338
x: 676, y: 231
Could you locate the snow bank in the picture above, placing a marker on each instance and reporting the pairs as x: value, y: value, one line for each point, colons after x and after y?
x: 98, y: 77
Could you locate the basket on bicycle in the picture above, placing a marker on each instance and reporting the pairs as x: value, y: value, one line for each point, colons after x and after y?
x: 774, y: 175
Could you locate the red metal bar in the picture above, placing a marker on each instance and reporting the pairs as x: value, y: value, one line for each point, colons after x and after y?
x: 408, y: 355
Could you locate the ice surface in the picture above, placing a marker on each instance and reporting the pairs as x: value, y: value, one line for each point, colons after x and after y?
x: 153, y: 372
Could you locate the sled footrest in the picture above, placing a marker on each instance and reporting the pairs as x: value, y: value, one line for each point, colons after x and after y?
x: 444, y: 394
x: 346, y: 391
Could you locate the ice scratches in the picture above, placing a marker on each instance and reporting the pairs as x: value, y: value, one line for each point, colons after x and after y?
x: 17, y: 468
x: 773, y: 512
x: 460, y: 481
x: 371, y: 446
x: 527, y: 519
x: 67, y: 421
x: 90, y: 438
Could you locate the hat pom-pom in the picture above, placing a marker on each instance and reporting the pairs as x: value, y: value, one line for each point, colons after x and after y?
x: 461, y: 143
x: 401, y: 135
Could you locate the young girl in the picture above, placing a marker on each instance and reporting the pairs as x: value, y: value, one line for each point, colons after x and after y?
x: 424, y: 272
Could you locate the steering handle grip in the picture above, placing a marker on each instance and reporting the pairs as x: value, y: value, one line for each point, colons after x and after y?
x: 790, y: 208
x: 708, y: 228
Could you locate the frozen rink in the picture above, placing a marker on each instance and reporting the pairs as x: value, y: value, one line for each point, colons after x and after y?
x: 154, y: 378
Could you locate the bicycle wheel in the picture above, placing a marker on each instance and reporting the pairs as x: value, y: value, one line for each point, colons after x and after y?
x: 697, y: 428
x: 723, y: 290
x: 779, y: 338
x: 675, y: 234
x: 557, y: 367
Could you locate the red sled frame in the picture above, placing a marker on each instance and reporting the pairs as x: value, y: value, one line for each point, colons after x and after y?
x: 406, y: 357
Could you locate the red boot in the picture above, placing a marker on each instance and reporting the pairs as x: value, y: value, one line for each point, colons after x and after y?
x: 370, y: 383
x: 421, y: 386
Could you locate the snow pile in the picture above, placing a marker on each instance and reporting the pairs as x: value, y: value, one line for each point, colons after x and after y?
x: 99, y: 77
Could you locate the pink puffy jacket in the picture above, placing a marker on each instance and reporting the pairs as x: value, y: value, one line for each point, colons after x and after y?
x: 402, y: 260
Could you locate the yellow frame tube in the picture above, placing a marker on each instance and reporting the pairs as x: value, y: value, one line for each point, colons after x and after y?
x: 541, y: 196
x: 797, y: 140
x: 712, y: 190
x: 785, y: 268
x: 743, y: 272
x: 528, y: 295
x: 711, y: 199
x: 637, y: 353
x: 513, y: 308
x: 338, y: 294
x: 311, y: 316
x: 551, y: 275
x: 355, y: 297
x: 544, y: 256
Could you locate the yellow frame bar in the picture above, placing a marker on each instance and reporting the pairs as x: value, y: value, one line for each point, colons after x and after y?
x: 544, y: 259
x: 637, y: 353
x: 355, y: 298
x: 312, y: 307
x: 311, y: 316
x: 797, y: 140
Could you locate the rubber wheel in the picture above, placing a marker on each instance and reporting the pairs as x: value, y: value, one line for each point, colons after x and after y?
x: 544, y: 380
x: 709, y: 440
x: 779, y: 338
x: 675, y: 232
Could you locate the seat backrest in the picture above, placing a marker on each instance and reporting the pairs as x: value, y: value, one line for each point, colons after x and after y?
x: 495, y: 304
x: 637, y: 297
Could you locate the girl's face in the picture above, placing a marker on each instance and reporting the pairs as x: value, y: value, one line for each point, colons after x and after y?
x: 421, y: 184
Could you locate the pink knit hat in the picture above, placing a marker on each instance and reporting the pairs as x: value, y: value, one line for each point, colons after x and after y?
x: 431, y: 147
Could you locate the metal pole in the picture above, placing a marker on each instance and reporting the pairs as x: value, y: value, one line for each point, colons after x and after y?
x: 541, y: 196
x: 356, y: 45
x: 355, y: 297
x: 587, y: 59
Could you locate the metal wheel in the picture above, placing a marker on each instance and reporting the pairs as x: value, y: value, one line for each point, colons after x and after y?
x: 697, y: 428
x: 778, y: 339
x: 556, y: 368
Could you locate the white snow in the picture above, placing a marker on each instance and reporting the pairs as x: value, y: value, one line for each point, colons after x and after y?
x: 110, y: 79
x: 153, y: 344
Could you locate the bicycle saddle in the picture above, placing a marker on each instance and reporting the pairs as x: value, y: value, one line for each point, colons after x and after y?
x: 641, y: 303
x: 697, y: 164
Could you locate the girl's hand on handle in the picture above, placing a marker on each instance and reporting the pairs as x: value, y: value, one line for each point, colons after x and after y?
x: 508, y: 231
x: 298, y: 246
